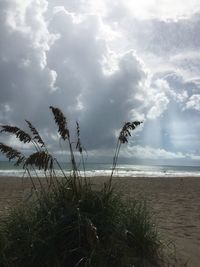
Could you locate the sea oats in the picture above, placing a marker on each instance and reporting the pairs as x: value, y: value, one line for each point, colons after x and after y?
x: 125, y: 132
x: 20, y: 134
x: 41, y: 160
x: 12, y: 153
x: 78, y: 144
x: 36, y: 135
x: 61, y: 122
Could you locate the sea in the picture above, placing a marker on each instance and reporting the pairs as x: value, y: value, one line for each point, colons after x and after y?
x: 100, y: 169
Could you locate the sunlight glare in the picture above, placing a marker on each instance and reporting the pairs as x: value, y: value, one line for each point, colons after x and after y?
x: 166, y: 9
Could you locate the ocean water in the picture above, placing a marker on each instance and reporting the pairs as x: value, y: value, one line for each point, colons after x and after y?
x: 94, y: 169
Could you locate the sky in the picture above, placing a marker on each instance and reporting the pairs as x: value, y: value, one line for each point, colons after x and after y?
x: 104, y: 63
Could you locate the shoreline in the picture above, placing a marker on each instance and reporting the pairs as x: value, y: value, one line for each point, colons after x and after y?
x: 106, y: 174
x: 175, y: 203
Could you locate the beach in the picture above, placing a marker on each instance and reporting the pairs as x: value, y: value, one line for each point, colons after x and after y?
x: 174, y: 201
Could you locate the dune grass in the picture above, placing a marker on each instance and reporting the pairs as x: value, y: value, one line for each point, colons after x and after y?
x: 68, y: 223
x: 97, y: 228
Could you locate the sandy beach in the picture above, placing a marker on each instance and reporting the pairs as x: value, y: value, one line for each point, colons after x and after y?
x: 175, y: 202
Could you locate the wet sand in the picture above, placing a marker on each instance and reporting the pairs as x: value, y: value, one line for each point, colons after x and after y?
x: 175, y: 202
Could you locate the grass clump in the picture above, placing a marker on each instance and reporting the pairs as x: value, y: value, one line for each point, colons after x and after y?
x: 99, y: 229
x: 68, y: 223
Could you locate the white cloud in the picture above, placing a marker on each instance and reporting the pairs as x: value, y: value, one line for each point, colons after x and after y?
x: 194, y: 102
x: 25, y: 21
x: 157, y: 98
x: 152, y: 153
x: 161, y: 102
x: 162, y: 8
x: 141, y: 9
x: 25, y: 40
x: 194, y: 157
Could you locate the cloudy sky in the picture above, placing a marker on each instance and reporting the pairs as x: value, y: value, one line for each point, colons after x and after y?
x: 104, y: 63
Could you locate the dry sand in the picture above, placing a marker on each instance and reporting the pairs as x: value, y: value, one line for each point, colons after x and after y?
x: 175, y: 201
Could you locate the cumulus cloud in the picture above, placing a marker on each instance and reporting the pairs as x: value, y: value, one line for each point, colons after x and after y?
x: 194, y: 102
x: 158, y: 98
x: 100, y: 85
x: 24, y: 74
x: 164, y: 45
x: 98, y: 62
x: 184, y: 92
x: 62, y: 63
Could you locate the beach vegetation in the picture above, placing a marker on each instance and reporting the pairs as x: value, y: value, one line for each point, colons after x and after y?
x: 66, y: 222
